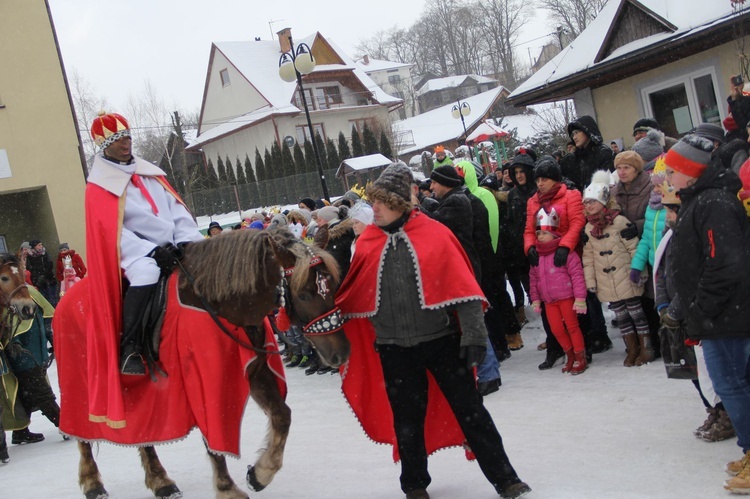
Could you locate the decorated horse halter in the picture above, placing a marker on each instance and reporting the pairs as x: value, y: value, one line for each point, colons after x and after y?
x: 10, y: 296
x: 328, y: 323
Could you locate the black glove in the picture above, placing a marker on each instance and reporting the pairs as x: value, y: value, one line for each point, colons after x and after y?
x: 164, y: 259
x: 584, y: 237
x: 14, y: 349
x: 668, y: 321
x: 561, y: 256
x: 473, y: 354
x: 533, y: 257
x: 629, y: 232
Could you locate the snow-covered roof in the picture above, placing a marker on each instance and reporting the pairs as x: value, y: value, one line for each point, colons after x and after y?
x: 361, y: 163
x: 258, y: 62
x: 688, y: 16
x: 451, y: 81
x: 379, y: 64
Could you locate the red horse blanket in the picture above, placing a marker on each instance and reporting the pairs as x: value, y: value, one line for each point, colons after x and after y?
x: 206, y: 384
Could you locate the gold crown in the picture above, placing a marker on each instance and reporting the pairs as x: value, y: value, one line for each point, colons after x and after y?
x: 669, y: 194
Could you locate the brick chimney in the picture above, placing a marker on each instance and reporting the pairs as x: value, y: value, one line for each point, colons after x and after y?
x: 366, y: 59
x: 284, y: 36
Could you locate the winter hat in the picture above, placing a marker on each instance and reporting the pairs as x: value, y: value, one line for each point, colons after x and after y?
x: 547, y: 167
x: 393, y: 187
x: 214, y: 224
x: 425, y: 185
x: 439, y: 149
x: 548, y: 222
x: 709, y: 131
x: 650, y: 146
x: 644, y: 125
x: 690, y: 155
x: 490, y: 181
x: 277, y: 221
x: 34, y: 242
x: 598, y: 189
x: 108, y: 128
x: 63, y: 246
x: 256, y: 225
x: 308, y: 202
x: 361, y: 212
x: 25, y: 245
x: 447, y: 175
x: 522, y: 159
x: 352, y: 196
x: 328, y: 213
x: 630, y: 158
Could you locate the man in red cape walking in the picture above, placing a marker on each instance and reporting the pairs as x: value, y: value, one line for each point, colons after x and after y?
x: 131, y: 214
x: 409, y: 286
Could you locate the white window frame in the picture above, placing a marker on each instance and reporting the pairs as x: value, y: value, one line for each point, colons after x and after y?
x: 687, y: 80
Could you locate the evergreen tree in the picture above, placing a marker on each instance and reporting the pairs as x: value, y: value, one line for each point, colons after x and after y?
x: 300, y: 168
x: 287, y: 192
x: 357, y: 149
x: 213, y: 178
x: 344, y: 151
x: 332, y: 154
x: 267, y: 187
x: 231, y: 178
x: 370, y: 142
x: 312, y: 179
x: 241, y: 178
x: 322, y: 150
x: 385, y: 146
x: 251, y: 185
x: 259, y: 171
x: 221, y: 173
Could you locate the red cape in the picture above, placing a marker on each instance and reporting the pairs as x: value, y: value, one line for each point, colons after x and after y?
x: 104, y: 216
x: 445, y: 277
x: 206, y: 384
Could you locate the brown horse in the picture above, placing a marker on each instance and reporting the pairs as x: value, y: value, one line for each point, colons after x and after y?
x: 14, y: 295
x: 239, y: 276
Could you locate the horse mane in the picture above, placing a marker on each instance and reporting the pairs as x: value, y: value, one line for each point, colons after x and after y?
x: 230, y: 265
x: 303, y: 253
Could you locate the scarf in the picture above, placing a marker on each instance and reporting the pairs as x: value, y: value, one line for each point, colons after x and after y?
x: 545, y: 200
x: 655, y: 201
x: 601, y: 220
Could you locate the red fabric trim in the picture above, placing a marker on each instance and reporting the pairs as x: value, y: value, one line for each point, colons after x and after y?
x: 206, y: 386
x: 684, y: 165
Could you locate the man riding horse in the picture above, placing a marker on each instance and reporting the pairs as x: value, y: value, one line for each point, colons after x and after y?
x: 132, y: 213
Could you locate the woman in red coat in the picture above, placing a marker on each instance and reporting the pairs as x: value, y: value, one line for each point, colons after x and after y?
x: 76, y: 262
x: 553, y: 201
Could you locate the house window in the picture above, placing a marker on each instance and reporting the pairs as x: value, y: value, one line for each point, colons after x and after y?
x: 394, y: 79
x: 308, y: 98
x: 3, y: 245
x: 682, y: 103
x: 303, y: 133
x: 224, y: 77
x: 326, y: 97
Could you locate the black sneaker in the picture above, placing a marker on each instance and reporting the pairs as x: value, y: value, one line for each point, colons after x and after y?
x: 324, y: 369
x: 306, y: 360
x: 503, y: 355
x: 294, y: 362
x: 24, y: 436
x: 601, y: 346
x: 514, y: 490
x: 313, y: 367
x: 486, y: 387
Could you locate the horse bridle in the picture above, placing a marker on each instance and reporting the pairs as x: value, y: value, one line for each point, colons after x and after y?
x: 328, y: 323
x: 9, y: 299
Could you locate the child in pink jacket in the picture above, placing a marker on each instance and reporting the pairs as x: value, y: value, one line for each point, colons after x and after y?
x: 563, y: 291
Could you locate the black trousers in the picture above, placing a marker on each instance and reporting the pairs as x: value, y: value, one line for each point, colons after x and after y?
x: 405, y: 371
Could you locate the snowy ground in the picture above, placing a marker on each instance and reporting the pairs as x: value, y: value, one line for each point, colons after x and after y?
x: 611, y: 432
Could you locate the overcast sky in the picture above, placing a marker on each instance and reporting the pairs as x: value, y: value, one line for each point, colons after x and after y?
x: 118, y: 45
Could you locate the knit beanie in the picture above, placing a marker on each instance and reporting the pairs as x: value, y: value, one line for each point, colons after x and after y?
x: 256, y: 225
x: 393, y: 187
x: 630, y: 158
x: 308, y: 202
x: 645, y: 124
x: 34, y: 242
x: 710, y: 131
x: 361, y: 212
x: 446, y: 175
x: 547, y: 167
x: 650, y: 146
x: 690, y: 155
x: 598, y: 189
x: 63, y: 246
x: 25, y: 245
x: 328, y: 213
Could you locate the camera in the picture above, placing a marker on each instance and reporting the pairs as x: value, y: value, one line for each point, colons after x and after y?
x: 737, y: 80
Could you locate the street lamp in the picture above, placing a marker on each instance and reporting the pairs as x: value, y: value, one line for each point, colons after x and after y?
x: 292, y: 65
x: 459, y: 110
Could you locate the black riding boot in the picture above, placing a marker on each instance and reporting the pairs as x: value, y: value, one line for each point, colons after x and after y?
x: 134, y: 306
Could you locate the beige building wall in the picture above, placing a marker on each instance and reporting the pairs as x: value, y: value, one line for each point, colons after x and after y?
x: 619, y: 105
x: 42, y: 185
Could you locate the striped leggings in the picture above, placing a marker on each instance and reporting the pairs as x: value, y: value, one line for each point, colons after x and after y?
x: 630, y: 316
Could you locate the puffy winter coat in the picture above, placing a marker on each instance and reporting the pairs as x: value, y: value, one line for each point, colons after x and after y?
x: 567, y: 203
x: 711, y: 253
x: 653, y: 230
x: 518, y: 198
x: 337, y: 237
x: 454, y: 211
x: 549, y: 283
x: 75, y: 260
x: 633, y: 201
x: 606, y: 263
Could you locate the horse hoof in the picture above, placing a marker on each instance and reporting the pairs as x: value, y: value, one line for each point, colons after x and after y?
x: 168, y: 492
x: 97, y: 493
x: 252, y: 480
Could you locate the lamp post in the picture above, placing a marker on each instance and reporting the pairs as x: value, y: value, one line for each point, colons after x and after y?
x: 292, y: 65
x: 459, y: 110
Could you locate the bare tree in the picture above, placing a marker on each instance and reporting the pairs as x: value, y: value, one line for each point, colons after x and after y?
x: 87, y: 106
x: 572, y: 15
x: 501, y: 21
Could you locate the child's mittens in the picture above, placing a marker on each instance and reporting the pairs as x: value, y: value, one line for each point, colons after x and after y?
x: 635, y: 276
x: 579, y: 306
x: 536, y: 307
